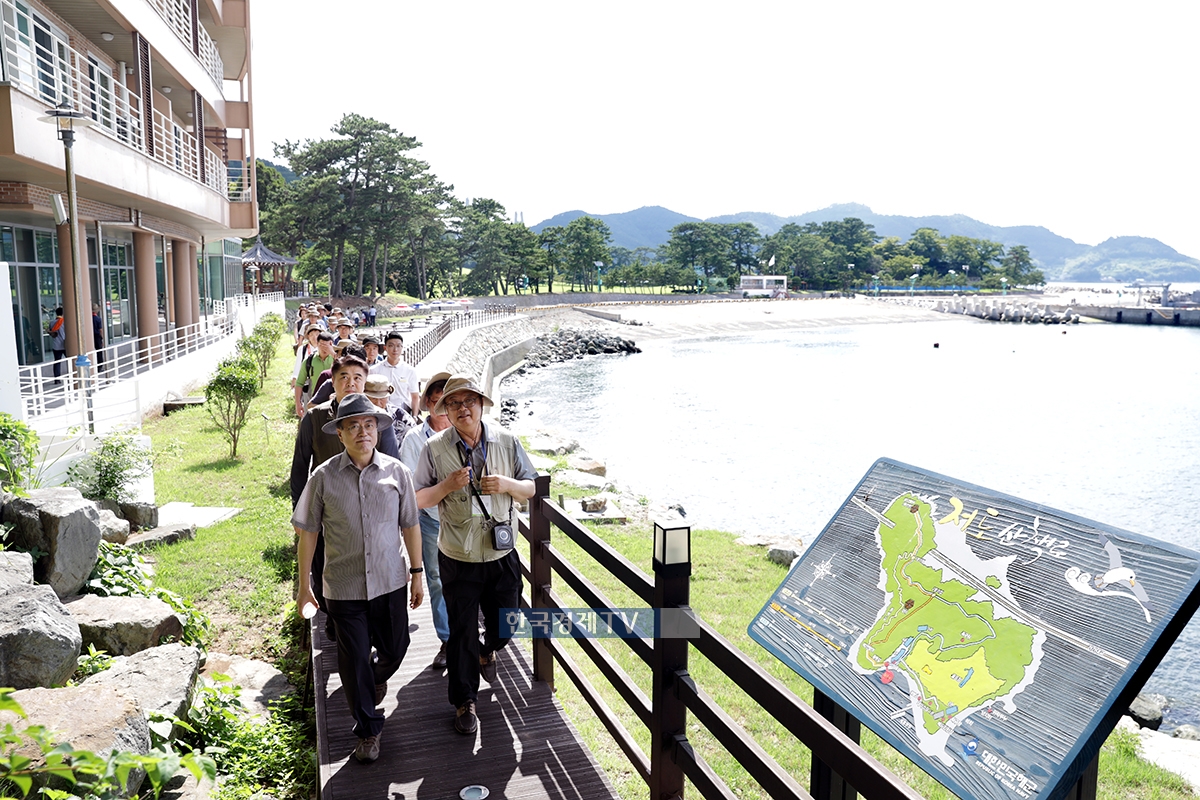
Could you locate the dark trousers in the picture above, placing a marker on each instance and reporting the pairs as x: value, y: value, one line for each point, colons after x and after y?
x: 469, y: 587
x: 361, y: 624
x: 58, y: 356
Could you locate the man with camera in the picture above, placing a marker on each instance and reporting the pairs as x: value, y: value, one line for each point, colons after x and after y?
x: 472, y: 472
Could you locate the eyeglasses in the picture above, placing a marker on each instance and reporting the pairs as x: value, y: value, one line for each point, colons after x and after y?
x: 455, y: 405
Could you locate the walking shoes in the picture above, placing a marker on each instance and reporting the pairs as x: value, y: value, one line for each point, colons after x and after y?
x: 465, y: 721
x: 367, y: 749
x: 487, y: 668
x: 439, y: 661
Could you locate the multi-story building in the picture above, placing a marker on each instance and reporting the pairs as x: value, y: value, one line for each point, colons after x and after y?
x: 164, y: 169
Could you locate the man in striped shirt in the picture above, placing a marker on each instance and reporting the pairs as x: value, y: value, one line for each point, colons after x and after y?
x: 362, y: 502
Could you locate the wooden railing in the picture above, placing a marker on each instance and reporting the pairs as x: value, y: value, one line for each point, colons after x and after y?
x: 674, y: 692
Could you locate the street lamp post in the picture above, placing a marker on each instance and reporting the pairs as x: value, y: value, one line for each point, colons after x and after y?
x: 1003, y: 286
x: 253, y: 269
x: 67, y: 119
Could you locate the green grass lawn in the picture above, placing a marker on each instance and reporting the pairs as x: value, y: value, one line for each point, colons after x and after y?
x: 242, y: 572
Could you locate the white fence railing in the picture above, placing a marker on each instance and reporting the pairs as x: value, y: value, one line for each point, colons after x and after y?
x: 131, y: 377
x: 178, y: 16
x: 210, y: 57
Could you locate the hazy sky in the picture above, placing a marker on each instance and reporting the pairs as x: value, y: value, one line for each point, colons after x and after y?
x: 1078, y: 116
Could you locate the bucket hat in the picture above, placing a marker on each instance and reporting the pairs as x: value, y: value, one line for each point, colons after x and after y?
x: 434, y: 378
x: 460, y: 383
x: 356, y: 405
x: 377, y: 386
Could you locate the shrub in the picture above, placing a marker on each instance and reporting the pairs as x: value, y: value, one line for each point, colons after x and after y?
x: 259, y: 348
x: 18, y: 451
x: 273, y: 324
x: 228, y: 397
x: 109, y: 471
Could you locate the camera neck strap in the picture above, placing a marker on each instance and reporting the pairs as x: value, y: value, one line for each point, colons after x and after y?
x: 465, y: 454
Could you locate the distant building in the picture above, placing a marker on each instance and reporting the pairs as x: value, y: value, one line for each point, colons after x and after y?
x: 164, y: 173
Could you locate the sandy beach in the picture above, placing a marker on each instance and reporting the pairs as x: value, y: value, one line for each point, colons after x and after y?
x: 678, y: 319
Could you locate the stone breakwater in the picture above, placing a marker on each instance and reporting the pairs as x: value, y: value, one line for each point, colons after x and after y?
x: 996, y: 310
x: 566, y: 344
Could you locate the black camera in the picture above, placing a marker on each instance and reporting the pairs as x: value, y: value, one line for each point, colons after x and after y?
x: 502, y: 536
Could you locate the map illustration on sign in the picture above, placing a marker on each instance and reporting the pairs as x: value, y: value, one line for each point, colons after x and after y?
x: 989, y: 639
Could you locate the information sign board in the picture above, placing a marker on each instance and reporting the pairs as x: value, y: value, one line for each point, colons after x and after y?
x: 993, y: 641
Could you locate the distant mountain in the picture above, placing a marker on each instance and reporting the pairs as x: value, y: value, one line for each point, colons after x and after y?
x: 648, y: 226
x: 282, y: 169
x: 1123, y: 258
x: 1126, y: 258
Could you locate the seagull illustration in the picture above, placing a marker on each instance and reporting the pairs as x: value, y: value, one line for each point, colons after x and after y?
x: 1118, y: 575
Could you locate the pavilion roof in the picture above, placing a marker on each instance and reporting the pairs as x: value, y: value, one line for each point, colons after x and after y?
x: 262, y: 256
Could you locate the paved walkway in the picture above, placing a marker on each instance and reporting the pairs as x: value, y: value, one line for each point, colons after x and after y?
x: 524, y: 748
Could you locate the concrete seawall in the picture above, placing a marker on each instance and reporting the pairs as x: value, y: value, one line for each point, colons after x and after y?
x: 1134, y: 315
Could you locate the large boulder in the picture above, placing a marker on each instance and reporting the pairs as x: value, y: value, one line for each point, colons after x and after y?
x: 16, y: 569
x: 140, y: 515
x: 261, y: 683
x: 583, y: 479
x: 61, y: 523
x: 96, y: 718
x: 123, y: 626
x: 553, y: 444
x: 39, y: 641
x: 161, y: 679
x: 1147, y: 710
x: 113, y: 529
x: 586, y: 464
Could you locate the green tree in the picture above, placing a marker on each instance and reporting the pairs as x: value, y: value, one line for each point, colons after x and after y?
x: 585, y: 242
x: 1017, y: 266
x: 227, y: 397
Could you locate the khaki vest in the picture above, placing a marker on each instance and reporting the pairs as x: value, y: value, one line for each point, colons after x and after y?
x: 462, y: 535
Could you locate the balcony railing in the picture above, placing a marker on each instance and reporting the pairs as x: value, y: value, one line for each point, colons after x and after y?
x: 178, y: 16
x: 241, y: 190
x: 39, y: 63
x: 210, y: 57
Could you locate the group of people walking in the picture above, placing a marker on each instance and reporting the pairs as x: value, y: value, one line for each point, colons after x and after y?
x: 398, y: 486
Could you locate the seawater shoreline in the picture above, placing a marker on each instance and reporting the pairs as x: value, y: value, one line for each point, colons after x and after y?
x: 673, y: 321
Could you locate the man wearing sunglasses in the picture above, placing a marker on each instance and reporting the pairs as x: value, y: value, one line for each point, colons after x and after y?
x: 472, y: 472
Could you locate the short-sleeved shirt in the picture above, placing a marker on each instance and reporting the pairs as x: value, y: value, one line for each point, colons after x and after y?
x: 410, y: 453
x: 361, y: 515
x: 403, y: 379
x: 310, y: 369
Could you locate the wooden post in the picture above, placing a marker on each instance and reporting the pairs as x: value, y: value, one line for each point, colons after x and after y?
x: 1085, y: 787
x: 668, y: 714
x: 825, y: 784
x: 539, y: 569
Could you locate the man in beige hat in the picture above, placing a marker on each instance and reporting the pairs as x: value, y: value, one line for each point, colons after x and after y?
x: 410, y: 453
x: 472, y: 472
x: 379, y: 390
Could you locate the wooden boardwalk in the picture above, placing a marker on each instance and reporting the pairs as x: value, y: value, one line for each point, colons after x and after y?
x: 524, y: 748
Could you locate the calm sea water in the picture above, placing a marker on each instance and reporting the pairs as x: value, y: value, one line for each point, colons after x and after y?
x: 767, y: 433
